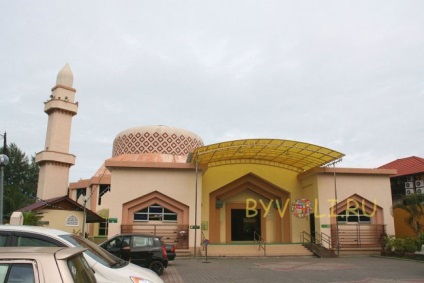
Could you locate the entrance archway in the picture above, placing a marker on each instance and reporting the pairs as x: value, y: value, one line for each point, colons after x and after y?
x: 228, y: 198
x: 172, y: 231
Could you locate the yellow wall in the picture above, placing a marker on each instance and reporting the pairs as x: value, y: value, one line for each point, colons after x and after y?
x: 216, y: 177
x: 57, y: 220
x: 403, y: 230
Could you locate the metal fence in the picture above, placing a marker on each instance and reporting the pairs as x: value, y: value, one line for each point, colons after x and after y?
x: 170, y: 233
x: 357, y: 235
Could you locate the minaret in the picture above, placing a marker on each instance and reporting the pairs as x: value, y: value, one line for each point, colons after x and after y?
x: 55, y: 160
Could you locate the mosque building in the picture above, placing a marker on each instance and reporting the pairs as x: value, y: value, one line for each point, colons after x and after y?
x: 164, y: 180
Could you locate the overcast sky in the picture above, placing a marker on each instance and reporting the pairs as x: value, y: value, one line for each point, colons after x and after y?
x: 347, y: 75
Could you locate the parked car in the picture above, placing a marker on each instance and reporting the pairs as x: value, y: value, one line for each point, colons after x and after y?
x: 107, y: 267
x: 44, y: 265
x: 170, y: 251
x: 142, y: 250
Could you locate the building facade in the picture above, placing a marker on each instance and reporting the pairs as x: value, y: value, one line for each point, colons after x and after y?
x: 166, y: 181
x: 232, y: 192
x: 408, y: 180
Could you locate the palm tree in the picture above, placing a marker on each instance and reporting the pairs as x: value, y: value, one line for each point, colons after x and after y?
x: 32, y: 218
x: 414, y: 205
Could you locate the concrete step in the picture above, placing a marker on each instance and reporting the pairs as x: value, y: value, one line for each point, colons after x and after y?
x: 251, y: 250
x: 182, y: 253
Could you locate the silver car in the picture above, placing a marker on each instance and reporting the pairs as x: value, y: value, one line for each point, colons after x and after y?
x: 44, y: 265
x: 107, y: 267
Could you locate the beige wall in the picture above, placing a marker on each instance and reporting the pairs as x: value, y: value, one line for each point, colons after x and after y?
x: 128, y: 184
x: 373, y: 187
x: 52, y: 180
x: 57, y: 219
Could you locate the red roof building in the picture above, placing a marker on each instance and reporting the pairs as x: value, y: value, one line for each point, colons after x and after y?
x: 406, y: 166
x: 409, y: 179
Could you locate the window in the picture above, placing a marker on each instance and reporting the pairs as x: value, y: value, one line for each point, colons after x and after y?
x: 72, y: 221
x: 103, y: 228
x: 143, y: 241
x: 80, y: 270
x: 80, y: 192
x: 33, y: 242
x: 3, y: 239
x: 94, y: 251
x: 102, y: 191
x: 353, y: 216
x: 155, y: 212
x: 17, y: 272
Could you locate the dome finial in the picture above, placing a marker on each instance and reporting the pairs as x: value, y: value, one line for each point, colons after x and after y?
x: 65, y: 76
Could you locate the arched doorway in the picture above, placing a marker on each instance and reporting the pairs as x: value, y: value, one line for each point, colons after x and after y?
x: 246, y: 204
x: 356, y: 223
x: 158, y: 214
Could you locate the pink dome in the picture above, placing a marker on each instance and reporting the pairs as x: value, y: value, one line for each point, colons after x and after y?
x: 155, y: 139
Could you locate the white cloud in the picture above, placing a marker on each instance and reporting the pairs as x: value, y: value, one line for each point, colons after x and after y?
x: 342, y: 74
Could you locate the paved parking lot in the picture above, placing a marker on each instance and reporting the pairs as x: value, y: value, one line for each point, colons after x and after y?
x: 294, y: 269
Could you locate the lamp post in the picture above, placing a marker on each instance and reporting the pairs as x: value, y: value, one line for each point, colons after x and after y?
x: 84, y: 217
x: 4, y: 160
x: 337, y: 219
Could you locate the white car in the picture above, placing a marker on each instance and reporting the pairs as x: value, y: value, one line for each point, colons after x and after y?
x: 44, y: 265
x: 107, y: 267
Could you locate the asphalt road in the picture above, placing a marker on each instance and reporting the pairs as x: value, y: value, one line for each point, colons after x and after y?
x: 370, y: 269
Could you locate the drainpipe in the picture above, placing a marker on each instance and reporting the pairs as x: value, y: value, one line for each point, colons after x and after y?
x: 337, y: 222
x: 195, y: 216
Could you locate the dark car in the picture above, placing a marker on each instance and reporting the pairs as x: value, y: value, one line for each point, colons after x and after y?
x: 143, y: 250
x: 170, y: 251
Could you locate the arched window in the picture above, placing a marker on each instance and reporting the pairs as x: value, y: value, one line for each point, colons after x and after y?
x: 72, y: 220
x: 353, y: 216
x: 155, y: 212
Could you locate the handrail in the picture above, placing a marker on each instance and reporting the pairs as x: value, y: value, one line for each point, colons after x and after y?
x: 357, y: 235
x: 316, y: 241
x: 304, y: 235
x: 317, y: 238
x: 323, y: 238
x: 257, y: 238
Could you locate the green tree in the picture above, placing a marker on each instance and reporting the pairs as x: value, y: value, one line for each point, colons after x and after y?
x: 20, y: 181
x: 414, y: 205
x: 32, y: 218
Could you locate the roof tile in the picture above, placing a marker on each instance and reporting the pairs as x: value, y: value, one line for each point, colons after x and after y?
x: 406, y: 166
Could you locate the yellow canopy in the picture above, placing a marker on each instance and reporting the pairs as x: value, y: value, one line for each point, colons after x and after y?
x: 292, y: 155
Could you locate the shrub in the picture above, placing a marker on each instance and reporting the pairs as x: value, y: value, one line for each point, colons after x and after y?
x: 410, y: 245
x: 398, y: 246
x: 420, y: 240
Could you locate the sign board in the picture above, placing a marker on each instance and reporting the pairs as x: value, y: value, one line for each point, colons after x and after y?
x: 194, y: 227
x: 113, y: 220
x: 325, y: 226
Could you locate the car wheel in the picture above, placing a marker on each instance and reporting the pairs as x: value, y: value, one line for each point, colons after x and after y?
x: 157, y: 267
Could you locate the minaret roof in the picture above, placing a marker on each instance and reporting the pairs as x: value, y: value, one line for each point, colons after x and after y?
x: 65, y: 76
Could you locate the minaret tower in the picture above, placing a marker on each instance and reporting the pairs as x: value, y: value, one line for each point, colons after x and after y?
x: 55, y: 160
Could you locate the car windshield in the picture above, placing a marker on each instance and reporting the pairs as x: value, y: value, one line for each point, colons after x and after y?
x: 80, y: 270
x: 95, y: 252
